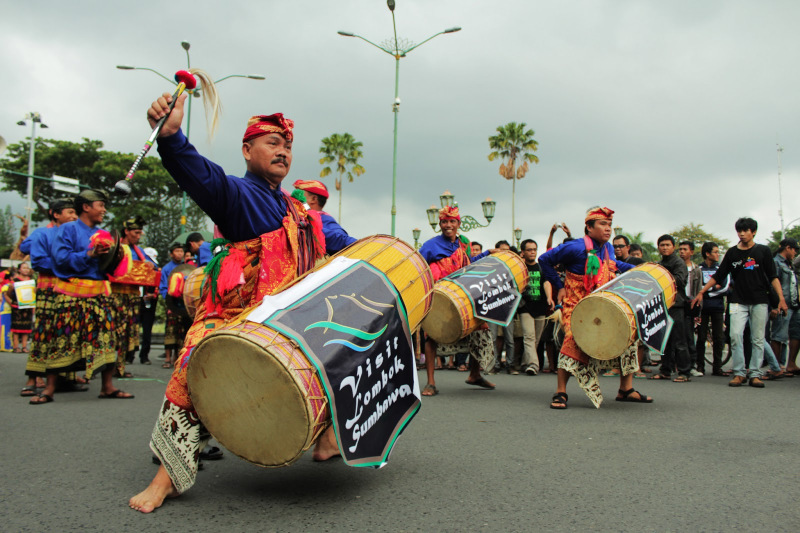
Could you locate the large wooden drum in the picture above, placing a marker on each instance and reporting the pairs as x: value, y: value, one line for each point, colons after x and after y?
x: 452, y: 316
x: 255, y: 390
x: 604, y: 325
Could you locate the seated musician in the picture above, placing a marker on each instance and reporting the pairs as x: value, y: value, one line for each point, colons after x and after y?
x: 272, y: 239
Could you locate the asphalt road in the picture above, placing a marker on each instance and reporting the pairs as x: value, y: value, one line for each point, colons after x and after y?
x: 703, y: 457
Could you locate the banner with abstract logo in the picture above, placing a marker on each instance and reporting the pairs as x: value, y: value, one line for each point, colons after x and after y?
x: 350, y: 322
x: 491, y: 288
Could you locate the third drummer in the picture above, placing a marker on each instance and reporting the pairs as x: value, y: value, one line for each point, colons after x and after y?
x: 589, y: 263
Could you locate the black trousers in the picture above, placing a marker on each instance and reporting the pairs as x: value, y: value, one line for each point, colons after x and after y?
x: 676, y: 355
x: 715, y: 319
x: 147, y: 316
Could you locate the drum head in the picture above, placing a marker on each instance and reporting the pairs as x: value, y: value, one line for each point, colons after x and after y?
x: 443, y: 322
x: 602, y: 327
x: 248, y: 400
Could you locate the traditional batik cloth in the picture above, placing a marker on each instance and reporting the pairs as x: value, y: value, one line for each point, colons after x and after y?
x: 174, y: 330
x: 279, y: 241
x: 478, y: 344
x: 573, y: 256
x: 21, y: 319
x: 43, y: 336
x: 125, y: 302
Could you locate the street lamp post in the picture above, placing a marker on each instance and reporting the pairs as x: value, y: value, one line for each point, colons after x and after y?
x: 416, y: 232
x: 35, y: 118
x: 398, y: 49
x: 518, y: 235
x: 195, y: 92
x: 447, y: 199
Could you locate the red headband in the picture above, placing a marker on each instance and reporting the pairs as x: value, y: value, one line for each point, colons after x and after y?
x: 449, y: 212
x: 263, y: 124
x: 312, y: 186
x: 599, y: 213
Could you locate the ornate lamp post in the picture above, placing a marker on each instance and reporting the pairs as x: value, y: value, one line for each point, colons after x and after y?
x: 518, y: 236
x: 398, y: 48
x: 416, y: 232
x: 467, y: 222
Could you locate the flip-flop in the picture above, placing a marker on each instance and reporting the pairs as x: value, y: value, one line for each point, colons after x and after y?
x: 213, y: 453
x: 28, y: 391
x: 166, y: 365
x: 626, y: 396
x: 116, y: 395
x: 432, y: 388
x: 47, y: 399
x: 660, y: 376
x: 480, y: 383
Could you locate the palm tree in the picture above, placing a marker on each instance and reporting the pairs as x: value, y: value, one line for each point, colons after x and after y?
x: 513, y: 144
x: 345, y: 151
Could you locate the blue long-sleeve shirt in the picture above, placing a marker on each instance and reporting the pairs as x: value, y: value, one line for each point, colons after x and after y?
x: 572, y: 256
x: 242, y: 208
x: 68, y: 251
x: 336, y: 238
x: 439, y: 247
x: 166, y: 270
x: 38, y: 247
x: 204, y: 254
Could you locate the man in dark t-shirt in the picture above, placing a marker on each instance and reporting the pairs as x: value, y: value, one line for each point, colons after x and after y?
x: 676, y: 355
x: 752, y: 271
x: 532, y: 309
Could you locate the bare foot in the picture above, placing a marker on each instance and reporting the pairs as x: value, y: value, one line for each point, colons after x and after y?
x: 153, y: 496
x: 326, y: 447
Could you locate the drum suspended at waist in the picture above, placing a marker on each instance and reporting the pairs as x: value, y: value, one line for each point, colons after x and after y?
x: 452, y: 316
x: 255, y: 390
x: 603, y: 323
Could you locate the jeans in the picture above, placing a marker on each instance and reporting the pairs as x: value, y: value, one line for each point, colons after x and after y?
x: 688, y: 325
x: 531, y: 334
x: 508, y: 342
x: 676, y: 354
x: 756, y: 315
x: 715, y: 318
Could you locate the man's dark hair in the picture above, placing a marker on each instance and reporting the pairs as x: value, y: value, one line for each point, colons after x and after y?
x: 666, y: 237
x: 476, y: 243
x: 624, y: 238
x: 174, y: 246
x: 498, y: 243
x: 80, y: 201
x: 589, y: 224
x: 524, y: 244
x: 194, y: 237
x: 746, y: 223
x: 321, y: 200
x: 690, y: 244
x: 636, y: 248
x: 514, y: 249
x: 707, y: 248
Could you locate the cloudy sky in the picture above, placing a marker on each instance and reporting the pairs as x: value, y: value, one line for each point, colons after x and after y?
x: 667, y: 112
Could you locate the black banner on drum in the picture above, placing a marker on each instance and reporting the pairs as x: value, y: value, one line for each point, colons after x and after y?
x: 492, y: 289
x: 355, y: 331
x: 646, y: 297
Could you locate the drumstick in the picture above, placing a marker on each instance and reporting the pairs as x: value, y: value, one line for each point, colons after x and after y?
x: 185, y: 81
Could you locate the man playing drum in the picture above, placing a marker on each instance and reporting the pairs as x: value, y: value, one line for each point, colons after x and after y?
x: 445, y: 254
x: 589, y: 263
x: 271, y: 240
x: 316, y: 194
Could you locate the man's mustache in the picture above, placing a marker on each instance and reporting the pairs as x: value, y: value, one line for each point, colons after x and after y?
x: 279, y: 159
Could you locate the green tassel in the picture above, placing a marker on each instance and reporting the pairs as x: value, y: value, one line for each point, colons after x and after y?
x: 214, y: 266
x: 464, y: 239
x: 592, y: 264
x: 299, y: 194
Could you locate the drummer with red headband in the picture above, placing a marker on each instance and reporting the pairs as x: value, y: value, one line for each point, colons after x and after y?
x: 269, y: 240
x: 589, y: 263
x: 315, y: 195
x: 445, y: 254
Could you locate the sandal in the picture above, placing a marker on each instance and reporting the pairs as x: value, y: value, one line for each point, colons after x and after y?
x: 462, y: 368
x: 660, y: 376
x: 28, y: 391
x: 626, y: 396
x: 40, y: 399
x: 682, y: 379
x: 166, y: 365
x: 431, y: 389
x: 480, y: 382
x: 559, y: 400
x: 117, y: 394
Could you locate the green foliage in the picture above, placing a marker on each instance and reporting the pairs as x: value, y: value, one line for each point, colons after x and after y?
x: 776, y: 238
x: 156, y: 196
x: 696, y: 234
x: 8, y: 237
x: 343, y: 150
x: 649, y: 250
